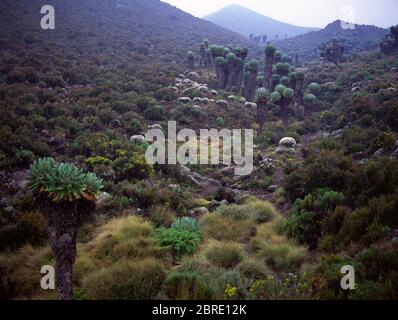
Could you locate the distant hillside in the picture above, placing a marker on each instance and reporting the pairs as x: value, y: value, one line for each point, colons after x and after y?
x: 361, y: 38
x: 149, y: 27
x: 246, y: 22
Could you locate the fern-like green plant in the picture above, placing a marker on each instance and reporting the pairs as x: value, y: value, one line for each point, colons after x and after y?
x: 186, y: 224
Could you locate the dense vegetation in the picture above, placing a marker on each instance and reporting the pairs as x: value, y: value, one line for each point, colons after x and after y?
x: 323, y: 193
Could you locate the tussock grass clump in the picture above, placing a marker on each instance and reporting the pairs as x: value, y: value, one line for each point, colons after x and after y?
x: 23, y: 270
x: 125, y: 238
x: 187, y: 286
x: 253, y: 268
x: 277, y: 250
x: 259, y: 211
x: 162, y: 215
x: 140, y: 280
x: 224, y: 254
x: 219, y: 227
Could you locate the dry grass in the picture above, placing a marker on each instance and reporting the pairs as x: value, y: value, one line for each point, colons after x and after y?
x: 216, y: 226
x: 278, y: 251
x: 23, y: 271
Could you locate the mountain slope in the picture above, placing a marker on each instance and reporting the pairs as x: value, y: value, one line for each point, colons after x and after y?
x: 151, y: 27
x: 246, y: 22
x: 361, y: 38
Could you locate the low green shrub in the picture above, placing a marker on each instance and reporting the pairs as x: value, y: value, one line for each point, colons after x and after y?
x: 181, y: 242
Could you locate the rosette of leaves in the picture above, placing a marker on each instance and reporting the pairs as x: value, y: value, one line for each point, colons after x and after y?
x: 282, y: 69
x: 62, y: 182
x: 314, y: 88
x: 285, y: 81
x: 66, y: 196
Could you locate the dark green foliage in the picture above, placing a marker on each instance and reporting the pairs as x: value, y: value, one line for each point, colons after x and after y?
x: 187, y: 224
x: 308, y: 213
x: 181, y: 241
x: 62, y: 182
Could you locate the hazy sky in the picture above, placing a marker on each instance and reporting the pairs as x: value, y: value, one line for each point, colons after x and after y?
x: 311, y: 13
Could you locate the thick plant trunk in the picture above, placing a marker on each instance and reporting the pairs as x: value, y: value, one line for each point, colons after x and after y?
x: 298, y: 97
x: 231, y: 76
x: 63, y: 220
x: 261, y: 110
x: 191, y: 63
x: 220, y: 77
x: 268, y: 71
x: 251, y: 86
x: 4, y: 286
x: 308, y: 110
x: 239, y: 79
x: 285, y: 111
x: 209, y: 60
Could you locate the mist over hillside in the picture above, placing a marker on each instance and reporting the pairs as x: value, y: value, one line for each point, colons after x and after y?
x: 247, y: 22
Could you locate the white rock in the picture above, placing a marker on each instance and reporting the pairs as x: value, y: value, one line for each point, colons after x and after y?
x: 137, y: 139
x: 231, y: 98
x: 222, y: 103
x: 288, y: 142
x: 197, y: 100
x: 185, y: 100
x: 214, y: 92
x: 250, y: 105
x: 155, y: 126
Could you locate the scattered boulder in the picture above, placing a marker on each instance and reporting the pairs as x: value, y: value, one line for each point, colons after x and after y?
x: 224, y: 202
x: 288, y: 142
x: 201, y: 211
x: 205, y: 100
x: 282, y: 150
x: 228, y: 171
x: 137, y: 139
x: 173, y: 89
x: 185, y: 100
x: 231, y: 98
x: 197, y: 107
x: 214, y: 92
x: 197, y: 100
x: 272, y: 188
x: 204, y: 89
x: 242, y: 100
x: 251, y: 105
x: 115, y: 123
x: 212, y: 101
x: 155, y: 126
x: 194, y: 75
x: 104, y: 199
x: 222, y: 103
x: 215, y: 203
